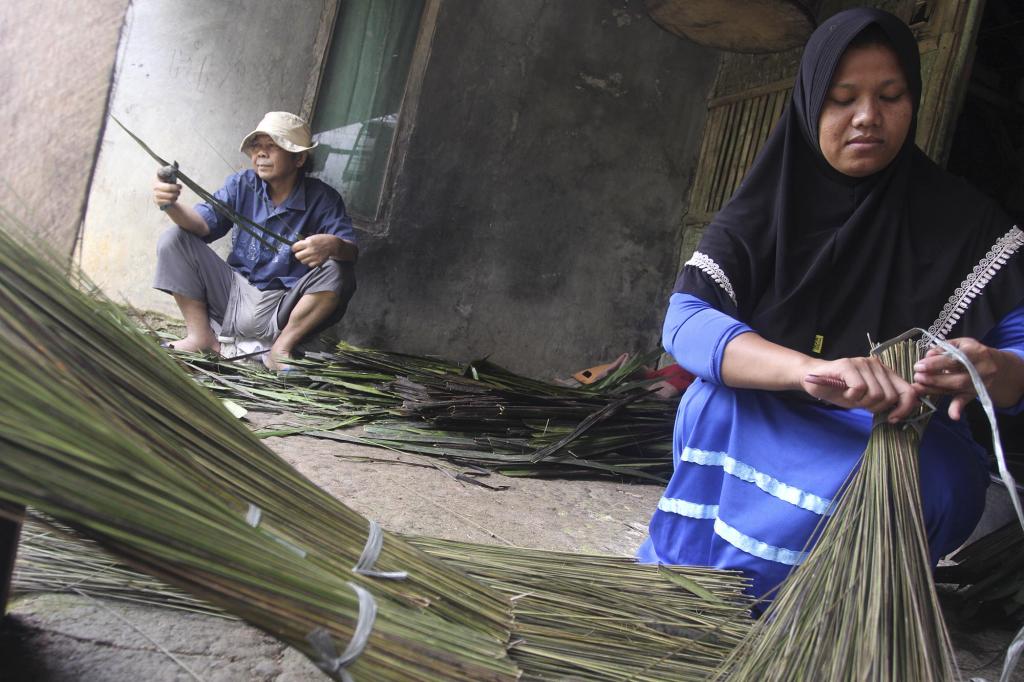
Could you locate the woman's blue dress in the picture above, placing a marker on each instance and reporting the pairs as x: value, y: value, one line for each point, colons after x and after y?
x: 755, y: 471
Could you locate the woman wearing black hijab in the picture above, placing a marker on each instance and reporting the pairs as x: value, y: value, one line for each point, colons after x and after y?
x: 842, y: 230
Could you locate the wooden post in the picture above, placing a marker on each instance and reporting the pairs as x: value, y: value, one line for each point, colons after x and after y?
x: 11, y: 517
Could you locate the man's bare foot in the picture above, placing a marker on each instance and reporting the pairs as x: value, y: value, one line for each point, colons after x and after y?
x: 276, y: 359
x: 193, y: 344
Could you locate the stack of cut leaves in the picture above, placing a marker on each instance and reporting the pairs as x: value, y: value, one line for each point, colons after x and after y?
x: 863, y: 605
x: 477, y: 414
x: 989, y: 573
x: 102, y: 431
x: 326, y: 395
x: 588, y: 617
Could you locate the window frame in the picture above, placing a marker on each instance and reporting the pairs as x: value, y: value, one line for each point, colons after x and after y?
x: 377, y: 224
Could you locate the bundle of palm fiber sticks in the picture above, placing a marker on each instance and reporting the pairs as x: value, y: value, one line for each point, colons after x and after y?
x: 592, y: 617
x: 475, y: 414
x: 863, y: 605
x: 103, y: 432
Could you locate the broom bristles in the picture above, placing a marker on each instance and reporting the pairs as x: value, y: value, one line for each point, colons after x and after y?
x: 863, y: 605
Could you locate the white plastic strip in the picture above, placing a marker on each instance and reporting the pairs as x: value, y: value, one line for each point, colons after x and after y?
x: 328, y: 659
x: 371, y: 551
x: 1014, y: 651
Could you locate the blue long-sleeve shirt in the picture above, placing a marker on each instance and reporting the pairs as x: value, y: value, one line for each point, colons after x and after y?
x: 313, y: 207
x: 696, y: 334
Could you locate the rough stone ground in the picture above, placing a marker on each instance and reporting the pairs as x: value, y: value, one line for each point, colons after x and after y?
x: 65, y: 638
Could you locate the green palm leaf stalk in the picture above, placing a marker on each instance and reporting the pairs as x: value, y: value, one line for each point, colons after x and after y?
x: 102, y: 431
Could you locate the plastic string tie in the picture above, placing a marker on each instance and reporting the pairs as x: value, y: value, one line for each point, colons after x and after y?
x: 328, y: 659
x: 371, y: 552
x: 253, y: 518
x: 920, y: 422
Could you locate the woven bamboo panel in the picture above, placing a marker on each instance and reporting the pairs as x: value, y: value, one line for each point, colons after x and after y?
x: 751, y: 91
x: 736, y: 129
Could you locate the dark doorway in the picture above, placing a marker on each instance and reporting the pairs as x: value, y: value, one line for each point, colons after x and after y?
x: 988, y: 144
x: 988, y: 150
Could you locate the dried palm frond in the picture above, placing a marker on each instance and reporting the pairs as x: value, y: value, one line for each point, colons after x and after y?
x: 862, y: 606
x: 594, y: 617
x: 52, y: 558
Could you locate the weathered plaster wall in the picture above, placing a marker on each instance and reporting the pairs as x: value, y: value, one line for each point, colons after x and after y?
x: 56, y: 63
x: 537, y: 216
x: 193, y: 78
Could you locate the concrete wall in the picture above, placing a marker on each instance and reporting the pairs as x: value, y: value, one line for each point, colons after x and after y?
x: 56, y: 64
x: 193, y: 78
x: 536, y: 219
x: 536, y: 216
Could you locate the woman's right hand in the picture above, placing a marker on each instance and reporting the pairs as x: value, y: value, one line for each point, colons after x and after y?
x: 869, y: 385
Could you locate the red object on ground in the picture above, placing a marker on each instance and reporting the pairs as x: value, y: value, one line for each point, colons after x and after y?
x: 673, y: 374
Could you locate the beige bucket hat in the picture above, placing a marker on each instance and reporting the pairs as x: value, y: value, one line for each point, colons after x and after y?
x: 288, y: 131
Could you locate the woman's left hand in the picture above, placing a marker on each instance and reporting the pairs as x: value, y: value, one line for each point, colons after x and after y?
x: 940, y: 374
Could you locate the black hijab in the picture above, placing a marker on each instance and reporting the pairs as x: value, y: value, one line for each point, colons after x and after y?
x: 816, y: 260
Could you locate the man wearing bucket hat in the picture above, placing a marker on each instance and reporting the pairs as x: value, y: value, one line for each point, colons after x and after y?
x: 275, y: 294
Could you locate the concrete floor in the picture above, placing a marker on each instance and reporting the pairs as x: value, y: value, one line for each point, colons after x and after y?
x: 65, y: 638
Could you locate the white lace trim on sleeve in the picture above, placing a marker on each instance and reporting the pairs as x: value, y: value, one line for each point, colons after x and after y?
x: 976, y: 281
x: 705, y: 264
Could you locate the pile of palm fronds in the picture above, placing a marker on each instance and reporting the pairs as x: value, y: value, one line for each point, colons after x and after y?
x: 990, y: 574
x: 589, y: 617
x: 863, y: 605
x: 475, y: 414
x: 102, y: 431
